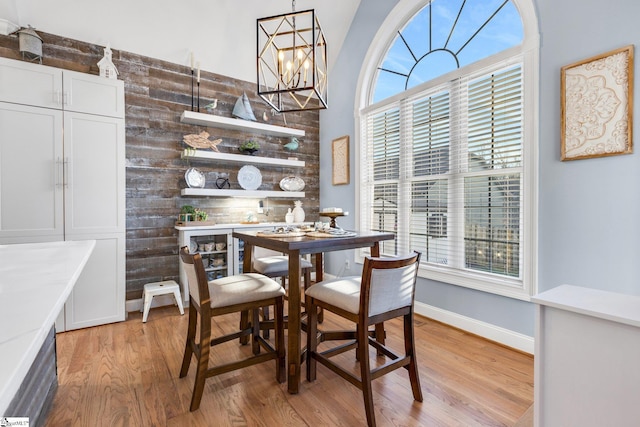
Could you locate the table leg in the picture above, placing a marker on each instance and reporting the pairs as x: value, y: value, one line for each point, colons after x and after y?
x: 293, y: 353
x: 247, y: 258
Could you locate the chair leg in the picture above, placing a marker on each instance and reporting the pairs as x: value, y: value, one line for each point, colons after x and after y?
x: 147, y: 305
x: 410, y: 350
x: 203, y: 360
x: 265, y: 313
x: 380, y: 335
x: 244, y: 324
x: 307, y: 283
x: 365, y: 374
x: 190, y: 341
x: 176, y: 295
x: 281, y: 373
x: 312, y: 338
x: 265, y: 316
x: 255, y: 330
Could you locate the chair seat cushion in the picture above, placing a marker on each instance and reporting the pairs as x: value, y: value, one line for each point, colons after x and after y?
x: 271, y: 265
x: 243, y: 288
x: 343, y: 292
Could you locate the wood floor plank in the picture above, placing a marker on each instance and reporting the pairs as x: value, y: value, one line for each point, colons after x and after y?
x: 126, y: 374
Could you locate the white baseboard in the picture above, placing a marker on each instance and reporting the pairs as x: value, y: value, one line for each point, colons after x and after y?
x: 491, y: 332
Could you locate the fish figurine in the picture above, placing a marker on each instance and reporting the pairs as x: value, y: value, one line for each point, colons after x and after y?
x: 292, y: 145
x: 201, y: 141
x: 242, y: 109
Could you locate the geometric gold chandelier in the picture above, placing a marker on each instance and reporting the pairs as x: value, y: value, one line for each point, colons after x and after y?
x: 292, y: 61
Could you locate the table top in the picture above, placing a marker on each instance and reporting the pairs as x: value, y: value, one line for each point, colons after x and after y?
x: 310, y: 245
x: 35, y: 282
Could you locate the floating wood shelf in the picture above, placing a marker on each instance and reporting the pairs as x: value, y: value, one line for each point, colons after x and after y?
x: 240, y: 158
x: 256, y: 194
x: 211, y: 120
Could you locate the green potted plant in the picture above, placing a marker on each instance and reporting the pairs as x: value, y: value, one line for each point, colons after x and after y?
x: 187, y: 213
x: 249, y: 146
x: 201, y: 215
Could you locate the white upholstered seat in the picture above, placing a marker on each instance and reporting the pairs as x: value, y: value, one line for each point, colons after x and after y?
x: 276, y: 265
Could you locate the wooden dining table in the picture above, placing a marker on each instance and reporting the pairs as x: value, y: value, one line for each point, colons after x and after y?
x: 295, y: 247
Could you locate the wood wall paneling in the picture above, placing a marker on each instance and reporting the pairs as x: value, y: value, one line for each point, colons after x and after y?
x: 156, y: 93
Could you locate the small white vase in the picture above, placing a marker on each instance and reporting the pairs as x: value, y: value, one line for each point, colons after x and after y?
x: 298, y: 212
x: 288, y: 218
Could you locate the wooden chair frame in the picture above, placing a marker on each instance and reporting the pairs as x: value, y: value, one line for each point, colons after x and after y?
x: 361, y: 338
x: 201, y: 348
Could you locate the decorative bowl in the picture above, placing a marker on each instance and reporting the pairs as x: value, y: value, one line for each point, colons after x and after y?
x: 292, y: 183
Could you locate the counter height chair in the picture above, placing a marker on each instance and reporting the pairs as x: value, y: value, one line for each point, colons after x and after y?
x: 272, y: 264
x: 243, y: 292
x: 385, y: 291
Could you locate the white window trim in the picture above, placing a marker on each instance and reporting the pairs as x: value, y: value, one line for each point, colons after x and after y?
x: 527, y: 286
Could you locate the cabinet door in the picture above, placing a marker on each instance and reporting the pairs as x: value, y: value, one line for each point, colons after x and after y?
x: 87, y: 93
x: 204, y: 236
x: 30, y: 84
x: 99, y: 294
x: 31, y: 174
x: 95, y: 196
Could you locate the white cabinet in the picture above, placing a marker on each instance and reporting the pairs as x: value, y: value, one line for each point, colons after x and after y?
x: 49, y: 87
x: 586, y: 358
x: 31, y: 188
x: 231, y: 255
x: 218, y: 261
x: 94, y: 171
x: 62, y: 176
x: 30, y: 84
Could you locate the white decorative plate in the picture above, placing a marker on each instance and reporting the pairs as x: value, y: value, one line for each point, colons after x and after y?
x: 194, y: 178
x: 292, y: 183
x: 249, y: 177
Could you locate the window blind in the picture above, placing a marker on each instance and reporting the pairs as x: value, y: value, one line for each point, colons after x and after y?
x: 443, y: 170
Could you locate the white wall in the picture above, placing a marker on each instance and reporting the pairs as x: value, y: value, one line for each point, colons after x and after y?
x: 221, y: 33
x: 588, y: 209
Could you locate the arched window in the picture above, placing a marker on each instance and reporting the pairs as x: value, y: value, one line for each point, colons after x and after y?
x: 447, y: 141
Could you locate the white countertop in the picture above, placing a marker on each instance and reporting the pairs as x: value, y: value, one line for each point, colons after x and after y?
x: 35, y: 282
x: 593, y: 302
x: 237, y: 225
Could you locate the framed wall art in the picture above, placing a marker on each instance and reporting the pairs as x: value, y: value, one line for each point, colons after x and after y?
x: 340, y: 156
x: 597, y: 106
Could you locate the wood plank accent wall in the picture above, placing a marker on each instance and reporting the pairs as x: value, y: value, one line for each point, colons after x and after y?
x: 156, y: 93
x: 35, y: 395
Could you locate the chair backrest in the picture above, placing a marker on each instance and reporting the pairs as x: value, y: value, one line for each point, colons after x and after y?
x: 388, y: 283
x: 260, y: 252
x: 196, y: 276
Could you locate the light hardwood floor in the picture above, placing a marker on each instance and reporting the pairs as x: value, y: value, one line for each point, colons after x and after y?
x: 126, y: 374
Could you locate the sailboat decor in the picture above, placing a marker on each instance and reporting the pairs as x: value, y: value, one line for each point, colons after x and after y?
x: 242, y: 109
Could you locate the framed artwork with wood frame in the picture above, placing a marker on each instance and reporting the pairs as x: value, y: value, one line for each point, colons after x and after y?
x: 597, y: 106
x: 340, y: 156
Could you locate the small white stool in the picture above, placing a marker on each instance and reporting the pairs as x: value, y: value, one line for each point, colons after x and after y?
x: 160, y: 288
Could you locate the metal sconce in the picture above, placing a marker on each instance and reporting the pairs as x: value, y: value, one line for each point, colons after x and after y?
x: 292, y: 61
x: 30, y: 44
